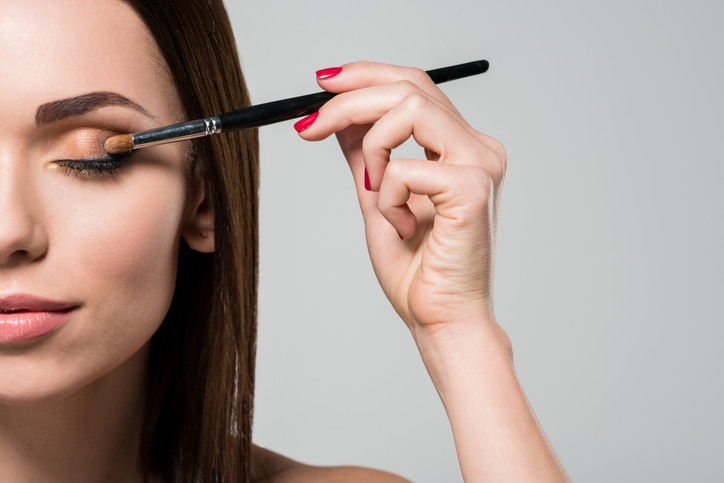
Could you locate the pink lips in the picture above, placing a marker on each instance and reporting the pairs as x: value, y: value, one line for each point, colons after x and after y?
x: 24, y: 318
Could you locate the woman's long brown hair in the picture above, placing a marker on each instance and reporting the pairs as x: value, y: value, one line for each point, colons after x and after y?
x: 201, y: 381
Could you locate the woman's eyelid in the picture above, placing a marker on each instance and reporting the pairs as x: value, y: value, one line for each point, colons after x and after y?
x: 93, y: 128
x: 80, y: 143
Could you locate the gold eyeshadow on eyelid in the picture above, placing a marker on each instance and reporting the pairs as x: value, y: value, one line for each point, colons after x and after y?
x: 80, y: 143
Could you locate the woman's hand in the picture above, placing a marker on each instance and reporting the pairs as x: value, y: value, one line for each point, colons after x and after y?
x: 430, y: 226
x: 430, y: 223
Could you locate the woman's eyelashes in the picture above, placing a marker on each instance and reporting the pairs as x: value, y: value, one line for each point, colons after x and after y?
x: 94, y: 167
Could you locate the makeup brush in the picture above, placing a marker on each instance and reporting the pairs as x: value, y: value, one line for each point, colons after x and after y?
x: 260, y: 114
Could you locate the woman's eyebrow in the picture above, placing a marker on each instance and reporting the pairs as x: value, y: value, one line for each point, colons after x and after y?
x: 75, y: 106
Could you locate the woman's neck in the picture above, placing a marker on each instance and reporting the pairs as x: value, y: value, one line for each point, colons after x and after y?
x: 92, y: 435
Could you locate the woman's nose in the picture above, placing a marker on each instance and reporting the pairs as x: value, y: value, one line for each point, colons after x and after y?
x: 22, y: 235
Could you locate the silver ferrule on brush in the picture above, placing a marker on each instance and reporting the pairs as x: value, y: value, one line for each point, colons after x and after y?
x: 179, y: 132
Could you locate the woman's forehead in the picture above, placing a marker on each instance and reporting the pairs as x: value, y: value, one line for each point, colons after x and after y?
x: 65, y: 48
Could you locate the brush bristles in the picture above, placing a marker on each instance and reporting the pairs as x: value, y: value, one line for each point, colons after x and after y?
x: 122, y: 143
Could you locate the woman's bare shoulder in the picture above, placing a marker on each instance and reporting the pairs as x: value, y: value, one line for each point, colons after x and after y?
x: 270, y: 467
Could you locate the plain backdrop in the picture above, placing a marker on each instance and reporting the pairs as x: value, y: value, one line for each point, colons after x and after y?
x: 609, y: 265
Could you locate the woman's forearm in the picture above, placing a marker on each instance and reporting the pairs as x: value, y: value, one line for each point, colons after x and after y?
x: 497, y: 436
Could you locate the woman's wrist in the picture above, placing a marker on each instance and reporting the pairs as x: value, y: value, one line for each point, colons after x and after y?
x: 496, y: 434
x: 456, y: 352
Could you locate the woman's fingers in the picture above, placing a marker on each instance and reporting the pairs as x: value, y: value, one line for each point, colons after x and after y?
x: 460, y: 195
x: 363, y: 106
x: 386, y: 106
x: 359, y: 75
x: 443, y: 136
x: 398, y: 111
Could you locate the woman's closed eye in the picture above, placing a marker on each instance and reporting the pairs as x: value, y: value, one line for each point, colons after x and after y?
x: 94, y: 167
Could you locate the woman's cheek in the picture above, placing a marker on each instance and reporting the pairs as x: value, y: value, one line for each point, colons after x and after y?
x: 127, y: 247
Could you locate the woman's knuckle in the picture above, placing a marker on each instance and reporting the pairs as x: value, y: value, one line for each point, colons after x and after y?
x: 416, y: 102
x: 395, y: 169
x: 418, y: 76
x: 405, y: 87
x: 494, y: 154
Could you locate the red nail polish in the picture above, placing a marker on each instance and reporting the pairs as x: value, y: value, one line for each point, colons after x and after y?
x: 305, y: 122
x: 368, y: 186
x: 323, y: 74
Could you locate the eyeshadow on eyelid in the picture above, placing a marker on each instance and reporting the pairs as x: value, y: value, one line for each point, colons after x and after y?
x: 76, y: 143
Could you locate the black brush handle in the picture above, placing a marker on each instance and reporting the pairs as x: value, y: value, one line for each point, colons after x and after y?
x: 272, y: 112
x: 286, y: 109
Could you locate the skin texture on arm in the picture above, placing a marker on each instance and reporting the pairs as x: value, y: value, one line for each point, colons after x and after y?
x: 430, y: 227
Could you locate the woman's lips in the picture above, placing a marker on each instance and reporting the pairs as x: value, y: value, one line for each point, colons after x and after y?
x: 24, y: 318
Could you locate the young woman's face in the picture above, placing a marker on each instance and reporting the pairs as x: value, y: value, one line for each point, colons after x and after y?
x: 88, y: 243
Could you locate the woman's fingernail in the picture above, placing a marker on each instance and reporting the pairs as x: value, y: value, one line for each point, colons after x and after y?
x: 323, y: 74
x: 305, y: 122
x: 368, y: 186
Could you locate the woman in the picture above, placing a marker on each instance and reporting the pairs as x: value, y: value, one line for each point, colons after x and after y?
x: 128, y: 284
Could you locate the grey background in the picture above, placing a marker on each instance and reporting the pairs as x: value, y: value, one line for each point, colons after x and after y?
x: 609, y: 252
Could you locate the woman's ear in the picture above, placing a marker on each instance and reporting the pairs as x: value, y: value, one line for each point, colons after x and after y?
x: 198, y: 227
